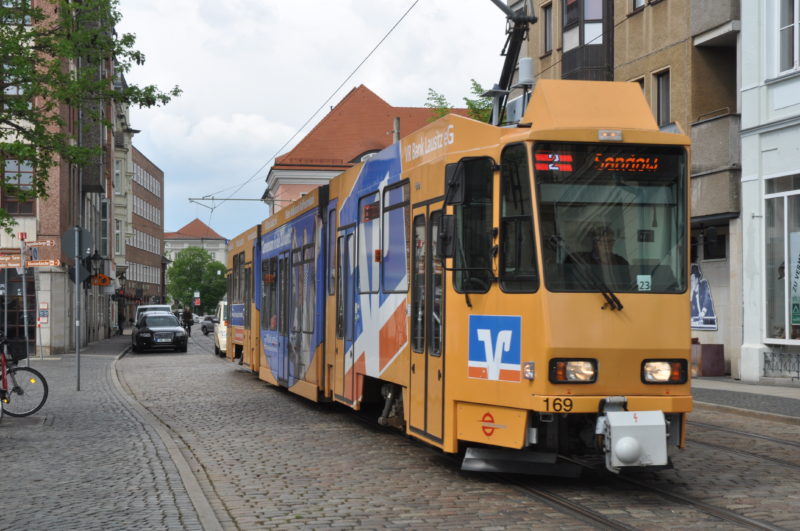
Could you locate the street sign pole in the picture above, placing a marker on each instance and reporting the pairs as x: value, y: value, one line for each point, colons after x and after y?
x: 24, y: 297
x: 78, y: 306
x: 5, y: 308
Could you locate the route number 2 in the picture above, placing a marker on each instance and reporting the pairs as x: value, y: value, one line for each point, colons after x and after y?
x: 558, y: 404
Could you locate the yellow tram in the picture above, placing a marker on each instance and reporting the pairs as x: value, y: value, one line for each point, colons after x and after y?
x: 515, y: 293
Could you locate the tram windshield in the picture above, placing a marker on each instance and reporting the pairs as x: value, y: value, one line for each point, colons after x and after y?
x: 612, y: 217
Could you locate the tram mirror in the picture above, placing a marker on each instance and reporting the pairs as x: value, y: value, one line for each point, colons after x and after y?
x: 444, y: 242
x: 454, y: 183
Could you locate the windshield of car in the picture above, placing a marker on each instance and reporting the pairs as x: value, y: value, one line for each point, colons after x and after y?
x: 160, y: 320
x: 613, y: 217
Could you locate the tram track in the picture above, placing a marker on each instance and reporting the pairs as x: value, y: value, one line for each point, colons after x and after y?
x: 744, y: 453
x: 713, y: 510
x: 744, y: 433
x: 578, y: 509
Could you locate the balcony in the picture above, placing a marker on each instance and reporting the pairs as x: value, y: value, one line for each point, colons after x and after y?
x: 716, y: 165
x: 715, y: 23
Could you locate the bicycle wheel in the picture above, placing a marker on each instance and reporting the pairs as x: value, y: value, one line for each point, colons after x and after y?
x: 27, y: 392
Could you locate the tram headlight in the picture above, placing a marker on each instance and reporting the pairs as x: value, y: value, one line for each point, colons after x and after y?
x: 573, y: 371
x: 664, y: 371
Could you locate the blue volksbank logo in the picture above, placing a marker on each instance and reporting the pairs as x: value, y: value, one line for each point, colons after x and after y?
x: 494, y: 347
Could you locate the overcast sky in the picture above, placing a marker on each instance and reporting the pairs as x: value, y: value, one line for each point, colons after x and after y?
x: 253, y: 71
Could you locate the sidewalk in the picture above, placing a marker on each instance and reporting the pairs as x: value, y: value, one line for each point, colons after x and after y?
x: 87, y: 459
x: 727, y: 392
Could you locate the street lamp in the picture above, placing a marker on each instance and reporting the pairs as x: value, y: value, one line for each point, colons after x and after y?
x: 96, y: 261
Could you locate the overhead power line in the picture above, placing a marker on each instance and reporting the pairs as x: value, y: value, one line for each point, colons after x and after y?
x: 322, y: 106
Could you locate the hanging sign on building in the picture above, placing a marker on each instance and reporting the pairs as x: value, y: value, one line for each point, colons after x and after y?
x: 703, y: 315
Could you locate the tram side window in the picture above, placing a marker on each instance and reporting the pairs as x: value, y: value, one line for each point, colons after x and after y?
x: 247, y: 296
x: 267, y: 283
x: 473, y: 221
x: 273, y: 294
x: 331, y: 252
x: 264, y: 323
x: 418, y: 287
x: 436, y: 279
x: 340, y: 288
x: 310, y: 301
x: 297, y: 290
x: 368, y: 242
x: 518, y: 272
x: 394, y: 259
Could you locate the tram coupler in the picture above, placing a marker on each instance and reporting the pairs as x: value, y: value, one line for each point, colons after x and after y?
x: 631, y: 438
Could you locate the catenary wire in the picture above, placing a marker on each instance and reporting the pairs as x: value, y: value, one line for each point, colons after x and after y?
x: 322, y: 106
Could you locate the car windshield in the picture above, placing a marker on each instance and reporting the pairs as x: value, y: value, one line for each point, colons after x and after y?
x: 613, y: 217
x: 160, y: 320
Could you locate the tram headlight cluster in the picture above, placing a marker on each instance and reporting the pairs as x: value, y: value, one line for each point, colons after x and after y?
x: 573, y: 371
x: 664, y: 371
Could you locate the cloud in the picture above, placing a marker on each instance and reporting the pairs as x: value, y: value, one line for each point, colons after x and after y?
x: 253, y: 71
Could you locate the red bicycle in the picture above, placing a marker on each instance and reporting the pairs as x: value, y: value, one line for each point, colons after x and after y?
x: 23, y: 390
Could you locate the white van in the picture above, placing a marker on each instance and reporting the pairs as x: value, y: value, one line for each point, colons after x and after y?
x: 151, y: 308
x: 221, y: 328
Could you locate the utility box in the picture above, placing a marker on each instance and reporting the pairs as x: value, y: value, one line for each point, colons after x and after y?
x: 708, y: 359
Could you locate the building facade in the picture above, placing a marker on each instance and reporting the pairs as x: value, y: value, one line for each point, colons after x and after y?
x: 144, y: 247
x: 770, y: 96
x: 195, y: 234
x: 684, y: 56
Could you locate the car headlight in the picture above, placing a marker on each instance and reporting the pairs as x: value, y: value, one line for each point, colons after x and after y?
x: 145, y: 334
x: 180, y: 333
x: 573, y: 370
x: 664, y: 371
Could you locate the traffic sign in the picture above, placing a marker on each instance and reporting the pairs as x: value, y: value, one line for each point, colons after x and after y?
x: 100, y: 280
x: 43, y: 243
x: 22, y: 236
x: 84, y: 242
x: 43, y: 263
x: 9, y: 265
x: 9, y: 258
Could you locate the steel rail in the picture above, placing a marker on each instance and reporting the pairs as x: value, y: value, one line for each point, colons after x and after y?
x: 745, y: 433
x: 745, y: 453
x: 719, y: 512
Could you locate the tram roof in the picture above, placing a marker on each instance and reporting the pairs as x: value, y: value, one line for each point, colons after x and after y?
x: 570, y: 104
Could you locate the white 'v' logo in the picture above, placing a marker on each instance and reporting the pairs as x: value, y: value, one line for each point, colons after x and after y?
x: 494, y: 355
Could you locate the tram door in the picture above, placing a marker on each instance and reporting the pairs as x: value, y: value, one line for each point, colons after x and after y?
x: 284, y: 289
x: 344, y: 371
x: 427, y: 328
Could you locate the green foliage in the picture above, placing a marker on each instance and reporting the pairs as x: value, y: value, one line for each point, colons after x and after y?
x: 194, y: 270
x: 60, y: 59
x: 438, y: 103
x: 478, y: 107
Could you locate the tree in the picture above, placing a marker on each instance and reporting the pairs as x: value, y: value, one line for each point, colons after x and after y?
x: 61, y: 65
x: 438, y: 102
x: 194, y: 270
x: 478, y: 108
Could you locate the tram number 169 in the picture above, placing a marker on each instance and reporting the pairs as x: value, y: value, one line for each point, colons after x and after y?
x: 558, y: 404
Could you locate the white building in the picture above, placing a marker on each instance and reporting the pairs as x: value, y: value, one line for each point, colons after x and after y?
x: 770, y: 97
x: 195, y: 234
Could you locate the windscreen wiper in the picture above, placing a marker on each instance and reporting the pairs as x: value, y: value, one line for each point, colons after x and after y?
x: 589, y: 280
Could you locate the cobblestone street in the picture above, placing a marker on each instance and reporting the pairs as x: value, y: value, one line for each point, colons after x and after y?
x: 205, y: 444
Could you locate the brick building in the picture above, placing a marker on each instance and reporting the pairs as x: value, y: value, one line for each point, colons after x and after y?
x: 144, y: 247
